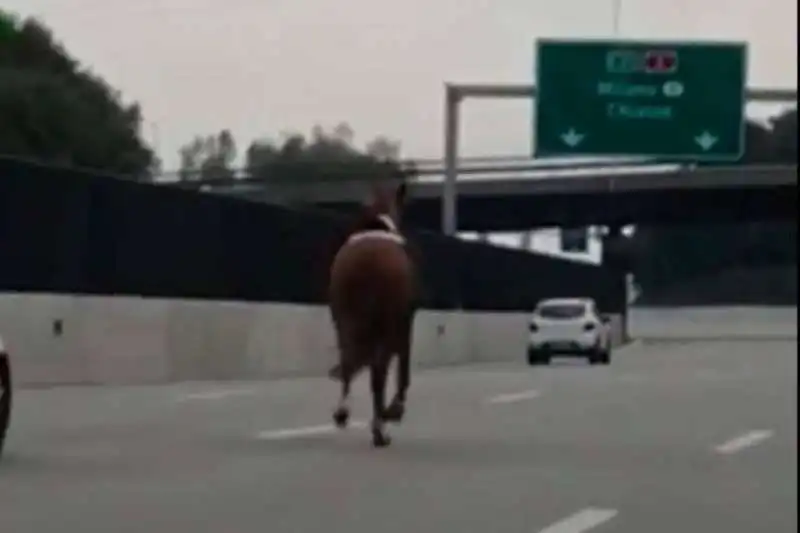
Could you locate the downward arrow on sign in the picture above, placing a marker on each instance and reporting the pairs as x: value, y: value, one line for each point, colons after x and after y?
x: 572, y: 138
x: 706, y: 141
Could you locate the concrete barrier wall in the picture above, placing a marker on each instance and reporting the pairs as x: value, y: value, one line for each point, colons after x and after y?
x: 107, y: 340
x: 690, y: 323
x: 619, y: 331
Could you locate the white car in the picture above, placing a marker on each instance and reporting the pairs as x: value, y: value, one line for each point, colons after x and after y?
x: 570, y: 327
x: 5, y: 393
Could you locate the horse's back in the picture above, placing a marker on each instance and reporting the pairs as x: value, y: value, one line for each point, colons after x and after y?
x: 371, y: 276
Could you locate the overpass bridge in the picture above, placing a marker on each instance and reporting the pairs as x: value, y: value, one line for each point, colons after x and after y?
x: 522, y: 196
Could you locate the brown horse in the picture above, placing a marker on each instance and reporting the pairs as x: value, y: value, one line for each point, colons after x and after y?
x: 5, y: 394
x: 372, y: 297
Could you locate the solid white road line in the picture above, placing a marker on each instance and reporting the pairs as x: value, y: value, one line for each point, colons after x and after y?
x: 218, y: 394
x: 305, y: 431
x: 581, y: 521
x: 744, y: 441
x: 514, y: 397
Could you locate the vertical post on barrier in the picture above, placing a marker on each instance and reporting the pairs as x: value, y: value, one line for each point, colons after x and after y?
x: 615, y: 255
x: 449, y: 214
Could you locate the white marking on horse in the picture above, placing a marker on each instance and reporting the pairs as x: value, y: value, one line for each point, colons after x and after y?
x: 387, y: 220
x: 391, y: 233
x: 376, y: 234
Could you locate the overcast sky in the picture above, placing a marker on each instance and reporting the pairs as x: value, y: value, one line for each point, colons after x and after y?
x: 260, y: 67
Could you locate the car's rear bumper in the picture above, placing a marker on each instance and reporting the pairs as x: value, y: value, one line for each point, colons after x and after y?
x: 564, y: 347
x: 589, y: 342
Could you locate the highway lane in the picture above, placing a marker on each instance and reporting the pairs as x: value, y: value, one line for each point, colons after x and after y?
x: 673, y: 436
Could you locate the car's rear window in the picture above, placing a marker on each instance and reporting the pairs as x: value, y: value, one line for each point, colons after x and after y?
x: 563, y: 311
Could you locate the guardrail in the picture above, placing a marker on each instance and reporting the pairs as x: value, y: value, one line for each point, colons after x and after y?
x: 600, y: 182
x: 241, y: 177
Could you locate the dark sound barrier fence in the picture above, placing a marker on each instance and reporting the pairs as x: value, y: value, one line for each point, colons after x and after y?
x: 71, y: 231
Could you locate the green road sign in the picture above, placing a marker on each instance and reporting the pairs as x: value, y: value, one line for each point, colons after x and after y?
x: 666, y: 99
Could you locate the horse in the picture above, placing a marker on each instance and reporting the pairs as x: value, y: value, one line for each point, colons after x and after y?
x: 5, y: 394
x: 372, y: 296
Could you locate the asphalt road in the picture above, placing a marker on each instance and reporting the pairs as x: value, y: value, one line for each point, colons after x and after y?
x: 677, y: 436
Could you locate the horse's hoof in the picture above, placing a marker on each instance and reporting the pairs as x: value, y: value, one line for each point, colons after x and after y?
x: 395, y: 412
x: 380, y: 439
x: 335, y: 373
x: 341, y: 417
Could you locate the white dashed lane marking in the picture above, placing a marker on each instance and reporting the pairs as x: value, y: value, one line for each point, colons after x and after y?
x: 581, y: 521
x: 514, y: 397
x: 219, y: 394
x: 744, y: 441
x: 306, y: 431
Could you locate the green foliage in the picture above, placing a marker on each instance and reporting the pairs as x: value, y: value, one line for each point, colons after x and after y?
x: 296, y: 168
x: 55, y: 111
x: 8, y: 27
x: 209, y: 157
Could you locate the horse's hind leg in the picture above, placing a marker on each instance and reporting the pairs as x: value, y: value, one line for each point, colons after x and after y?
x: 397, y: 408
x: 378, y: 374
x: 341, y: 415
x: 345, y: 371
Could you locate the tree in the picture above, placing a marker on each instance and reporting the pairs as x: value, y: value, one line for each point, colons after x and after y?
x: 8, y: 26
x: 191, y: 160
x: 260, y: 154
x: 384, y: 149
x: 208, y: 157
x: 296, y: 168
x: 58, y: 112
x: 334, y: 146
x: 221, y: 155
